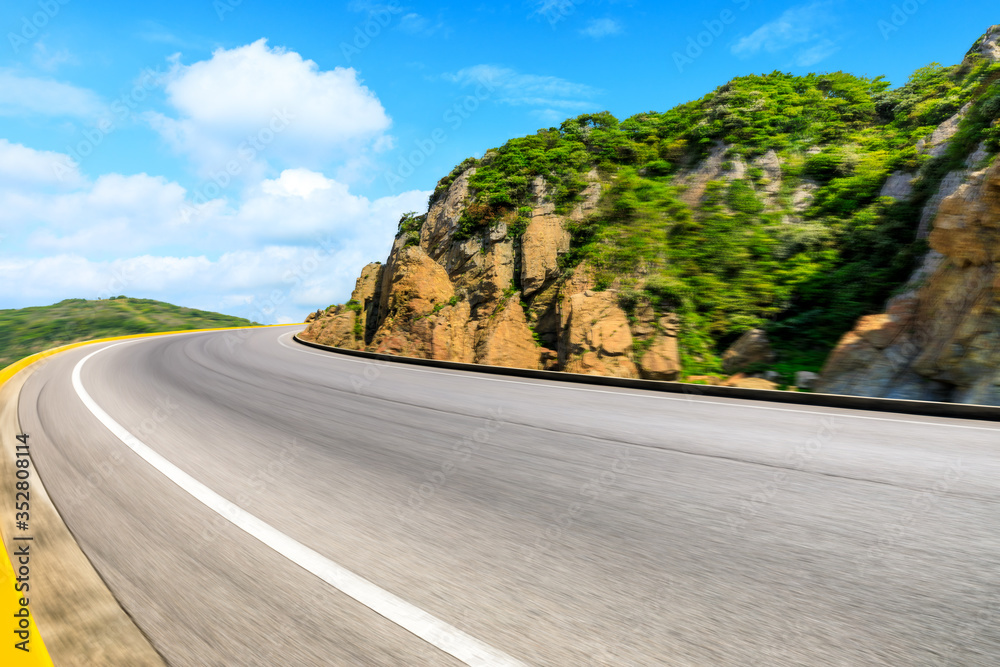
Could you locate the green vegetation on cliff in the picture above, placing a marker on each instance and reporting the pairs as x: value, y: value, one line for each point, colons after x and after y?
x: 25, y: 331
x: 743, y: 254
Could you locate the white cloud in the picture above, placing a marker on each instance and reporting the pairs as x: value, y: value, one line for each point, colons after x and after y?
x: 50, y: 61
x: 372, y: 8
x: 270, y: 285
x: 246, y: 92
x: 395, y: 16
x: 795, y: 26
x: 821, y: 51
x: 416, y: 24
x: 805, y: 28
x: 550, y: 116
x: 193, y: 281
x: 384, y: 143
x: 297, y: 183
x: 65, y: 235
x: 21, y: 166
x: 156, y: 33
x: 511, y: 87
x: 598, y: 28
x: 307, y: 205
x: 413, y: 23
x: 119, y: 214
x: 28, y: 96
x: 116, y: 214
x: 302, y: 235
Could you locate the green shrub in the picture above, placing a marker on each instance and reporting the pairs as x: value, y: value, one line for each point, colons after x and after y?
x: 411, y: 222
x: 742, y: 199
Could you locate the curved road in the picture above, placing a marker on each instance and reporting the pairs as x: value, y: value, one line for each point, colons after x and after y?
x: 553, y: 524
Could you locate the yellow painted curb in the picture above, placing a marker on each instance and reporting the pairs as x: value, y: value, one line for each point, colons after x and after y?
x: 10, y: 598
x: 9, y: 607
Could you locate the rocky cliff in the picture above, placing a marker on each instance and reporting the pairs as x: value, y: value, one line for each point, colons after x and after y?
x: 493, y: 298
x: 739, y: 235
x: 940, y: 338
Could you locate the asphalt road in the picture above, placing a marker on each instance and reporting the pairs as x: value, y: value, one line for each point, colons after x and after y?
x: 558, y: 524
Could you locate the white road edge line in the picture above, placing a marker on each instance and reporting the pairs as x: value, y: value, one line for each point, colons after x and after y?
x: 699, y: 399
x: 431, y: 629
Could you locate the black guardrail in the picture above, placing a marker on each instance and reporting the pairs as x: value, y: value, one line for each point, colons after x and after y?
x: 900, y: 406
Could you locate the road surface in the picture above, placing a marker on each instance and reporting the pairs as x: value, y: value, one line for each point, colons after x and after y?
x: 554, y: 524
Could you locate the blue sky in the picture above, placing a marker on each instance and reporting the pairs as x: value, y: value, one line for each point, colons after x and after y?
x: 250, y: 157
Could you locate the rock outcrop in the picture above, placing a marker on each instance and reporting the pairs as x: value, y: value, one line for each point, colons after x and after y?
x: 749, y: 382
x: 696, y: 180
x: 506, y: 340
x: 899, y: 186
x: 545, y: 239
x: 420, y: 315
x: 936, y: 144
x: 366, y: 295
x: 770, y: 182
x: 596, y: 339
x: 751, y: 348
x: 941, y: 340
x: 443, y: 217
x: 806, y: 379
x: 493, y: 299
x: 337, y: 328
x: 988, y: 46
x: 662, y: 360
x: 967, y: 226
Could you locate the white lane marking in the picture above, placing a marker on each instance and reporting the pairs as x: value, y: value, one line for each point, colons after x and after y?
x: 431, y: 629
x: 700, y: 399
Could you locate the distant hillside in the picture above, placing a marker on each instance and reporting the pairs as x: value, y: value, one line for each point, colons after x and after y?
x: 29, y: 330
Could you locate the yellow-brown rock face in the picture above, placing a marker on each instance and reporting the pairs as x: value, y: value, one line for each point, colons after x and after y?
x: 336, y: 328
x: 751, y: 348
x: 444, y: 296
x: 506, y: 340
x: 596, y: 339
x: 420, y: 316
x: 967, y: 227
x: 941, y: 340
x: 662, y: 360
x: 543, y: 241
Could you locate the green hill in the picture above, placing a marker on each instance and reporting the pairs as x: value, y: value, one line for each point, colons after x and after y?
x: 26, y: 331
x: 774, y: 211
x: 747, y: 251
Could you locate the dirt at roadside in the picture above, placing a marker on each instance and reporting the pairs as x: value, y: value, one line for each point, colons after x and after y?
x: 78, y: 618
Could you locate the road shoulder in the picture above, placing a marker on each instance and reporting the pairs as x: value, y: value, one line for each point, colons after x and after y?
x: 79, y: 619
